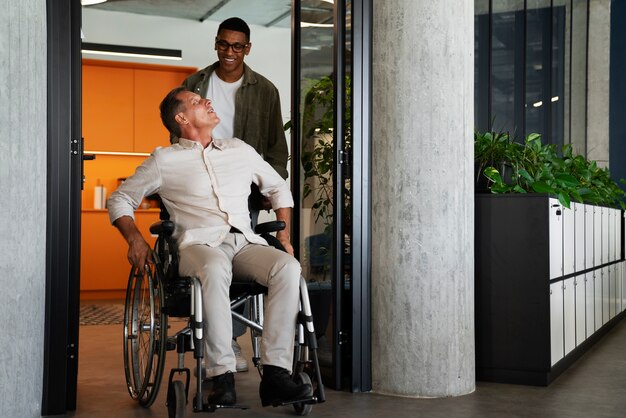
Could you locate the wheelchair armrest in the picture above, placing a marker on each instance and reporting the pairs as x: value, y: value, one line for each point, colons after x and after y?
x: 165, y: 228
x: 267, y: 227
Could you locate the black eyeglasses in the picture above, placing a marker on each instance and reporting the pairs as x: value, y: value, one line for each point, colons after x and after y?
x: 223, y: 45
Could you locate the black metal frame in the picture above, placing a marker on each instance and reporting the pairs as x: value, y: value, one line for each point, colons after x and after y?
x: 65, y: 181
x: 352, y: 336
x: 63, y: 207
x: 361, y: 332
x: 337, y: 242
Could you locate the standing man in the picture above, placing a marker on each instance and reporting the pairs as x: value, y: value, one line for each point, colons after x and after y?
x: 249, y: 109
x: 247, y: 102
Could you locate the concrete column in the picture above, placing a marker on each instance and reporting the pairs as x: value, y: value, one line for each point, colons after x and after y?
x: 23, y: 145
x: 578, y: 72
x: 598, y: 81
x: 423, y: 206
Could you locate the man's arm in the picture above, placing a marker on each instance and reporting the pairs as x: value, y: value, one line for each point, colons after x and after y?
x: 284, y: 236
x: 277, y: 153
x: 139, y: 252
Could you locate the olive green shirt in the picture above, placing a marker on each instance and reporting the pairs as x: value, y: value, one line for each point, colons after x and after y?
x: 258, y: 118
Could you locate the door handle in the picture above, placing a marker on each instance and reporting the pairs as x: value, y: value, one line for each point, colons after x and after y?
x: 84, y: 157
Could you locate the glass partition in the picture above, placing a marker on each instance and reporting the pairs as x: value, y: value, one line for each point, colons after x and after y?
x: 531, y: 69
x: 324, y: 175
x: 507, y: 66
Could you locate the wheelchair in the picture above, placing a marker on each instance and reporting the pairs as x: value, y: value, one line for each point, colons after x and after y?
x: 160, y: 293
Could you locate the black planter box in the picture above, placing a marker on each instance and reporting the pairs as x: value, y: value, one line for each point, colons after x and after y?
x: 512, y: 291
x: 512, y: 288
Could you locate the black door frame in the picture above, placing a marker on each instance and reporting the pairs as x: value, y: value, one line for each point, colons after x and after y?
x: 63, y: 200
x: 352, y: 319
x: 64, y: 171
x: 361, y: 164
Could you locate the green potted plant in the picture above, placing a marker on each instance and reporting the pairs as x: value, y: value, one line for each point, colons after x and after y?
x: 533, y: 167
x: 318, y: 154
x: 318, y: 162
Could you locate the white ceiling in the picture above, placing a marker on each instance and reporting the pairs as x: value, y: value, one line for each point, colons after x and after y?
x: 255, y: 12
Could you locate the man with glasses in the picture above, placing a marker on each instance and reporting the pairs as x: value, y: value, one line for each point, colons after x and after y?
x: 247, y: 102
x: 249, y: 109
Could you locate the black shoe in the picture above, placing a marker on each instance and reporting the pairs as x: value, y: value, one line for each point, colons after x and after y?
x: 221, y: 389
x: 277, y: 387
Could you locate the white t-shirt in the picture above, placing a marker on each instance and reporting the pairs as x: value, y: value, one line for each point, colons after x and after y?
x: 222, y: 96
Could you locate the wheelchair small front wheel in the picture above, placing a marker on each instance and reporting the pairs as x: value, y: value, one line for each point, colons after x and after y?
x: 145, y: 335
x: 176, y: 400
x: 302, y: 408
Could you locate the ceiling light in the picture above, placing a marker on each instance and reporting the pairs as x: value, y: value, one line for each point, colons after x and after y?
x: 554, y: 99
x: 537, y: 104
x: 315, y: 25
x: 91, y: 2
x: 131, y: 51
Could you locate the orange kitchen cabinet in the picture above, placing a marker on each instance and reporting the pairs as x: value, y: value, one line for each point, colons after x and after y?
x: 108, y: 103
x: 104, y: 266
x: 151, y: 86
x: 121, y: 104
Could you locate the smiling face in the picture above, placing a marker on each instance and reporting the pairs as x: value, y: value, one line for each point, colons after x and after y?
x: 196, y: 112
x: 231, y: 62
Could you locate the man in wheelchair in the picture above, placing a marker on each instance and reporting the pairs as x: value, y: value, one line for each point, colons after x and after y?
x: 204, y: 183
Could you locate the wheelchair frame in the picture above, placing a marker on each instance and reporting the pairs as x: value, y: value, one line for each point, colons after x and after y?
x: 159, y: 293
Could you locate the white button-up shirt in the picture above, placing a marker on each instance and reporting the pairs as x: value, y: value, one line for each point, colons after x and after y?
x: 205, y: 191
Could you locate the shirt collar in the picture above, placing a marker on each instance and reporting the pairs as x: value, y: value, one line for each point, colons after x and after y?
x: 189, y: 144
x: 218, y: 143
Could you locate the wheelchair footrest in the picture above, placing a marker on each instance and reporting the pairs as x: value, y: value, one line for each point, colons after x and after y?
x: 212, y: 408
x: 307, y: 400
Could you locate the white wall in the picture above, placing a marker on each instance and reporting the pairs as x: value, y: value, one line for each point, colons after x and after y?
x: 270, y: 54
x: 23, y: 205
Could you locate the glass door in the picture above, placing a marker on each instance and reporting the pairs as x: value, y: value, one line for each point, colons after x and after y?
x: 321, y: 153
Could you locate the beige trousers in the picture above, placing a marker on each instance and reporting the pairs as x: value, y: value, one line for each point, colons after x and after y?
x: 215, y: 267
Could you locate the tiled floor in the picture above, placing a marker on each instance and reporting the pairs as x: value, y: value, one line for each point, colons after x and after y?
x: 595, y: 386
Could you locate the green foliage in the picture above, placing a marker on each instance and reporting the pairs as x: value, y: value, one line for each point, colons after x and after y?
x: 318, y: 154
x: 536, y: 167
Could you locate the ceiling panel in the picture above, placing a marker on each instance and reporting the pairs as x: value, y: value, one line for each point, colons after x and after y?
x: 254, y: 12
x: 259, y: 12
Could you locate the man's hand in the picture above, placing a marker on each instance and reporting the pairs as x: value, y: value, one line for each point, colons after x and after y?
x: 139, y: 253
x: 284, y: 214
x: 284, y: 238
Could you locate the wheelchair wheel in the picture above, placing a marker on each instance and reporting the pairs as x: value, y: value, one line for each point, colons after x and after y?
x: 302, y: 408
x: 176, y: 400
x: 145, y: 335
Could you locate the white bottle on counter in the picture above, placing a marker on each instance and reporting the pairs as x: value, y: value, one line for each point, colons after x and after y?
x: 99, y: 196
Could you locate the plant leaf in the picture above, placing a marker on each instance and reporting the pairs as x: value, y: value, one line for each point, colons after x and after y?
x: 567, y: 180
x: 542, y: 187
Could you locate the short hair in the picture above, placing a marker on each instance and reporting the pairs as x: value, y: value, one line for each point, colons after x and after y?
x: 235, y: 24
x: 169, y: 107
